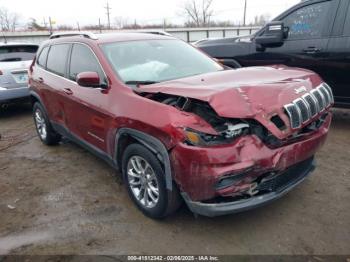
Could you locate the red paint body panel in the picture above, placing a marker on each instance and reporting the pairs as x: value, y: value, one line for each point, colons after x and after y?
x: 197, y: 170
x: 96, y: 115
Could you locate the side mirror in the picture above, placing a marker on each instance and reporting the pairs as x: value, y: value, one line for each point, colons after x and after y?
x: 88, y: 79
x: 273, y: 36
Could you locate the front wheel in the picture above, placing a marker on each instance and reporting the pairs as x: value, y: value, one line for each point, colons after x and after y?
x: 145, y: 182
x: 43, y: 127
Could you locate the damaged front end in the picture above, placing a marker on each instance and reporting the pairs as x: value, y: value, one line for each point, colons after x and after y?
x: 225, y: 164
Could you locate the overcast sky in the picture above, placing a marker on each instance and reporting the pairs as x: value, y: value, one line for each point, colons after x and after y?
x: 144, y: 11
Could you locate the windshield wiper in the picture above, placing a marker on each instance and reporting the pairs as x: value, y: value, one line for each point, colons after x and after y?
x: 137, y: 82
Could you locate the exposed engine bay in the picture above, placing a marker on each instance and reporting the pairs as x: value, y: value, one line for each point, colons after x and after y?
x: 227, y: 128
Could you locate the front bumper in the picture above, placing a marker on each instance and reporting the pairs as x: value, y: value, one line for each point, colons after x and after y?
x: 199, y: 171
x: 6, y: 95
x: 300, y: 172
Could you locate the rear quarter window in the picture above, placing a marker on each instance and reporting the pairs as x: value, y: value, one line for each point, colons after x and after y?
x: 57, y: 59
x: 43, y: 57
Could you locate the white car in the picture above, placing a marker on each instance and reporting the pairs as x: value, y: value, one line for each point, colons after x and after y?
x: 15, y: 59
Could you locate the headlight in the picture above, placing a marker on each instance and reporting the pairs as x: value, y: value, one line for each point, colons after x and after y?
x: 2, y: 88
x: 197, y: 138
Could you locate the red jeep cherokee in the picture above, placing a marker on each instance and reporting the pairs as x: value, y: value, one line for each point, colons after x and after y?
x: 178, y: 124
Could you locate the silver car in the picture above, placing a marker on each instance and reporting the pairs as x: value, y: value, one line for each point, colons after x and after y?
x: 15, y: 60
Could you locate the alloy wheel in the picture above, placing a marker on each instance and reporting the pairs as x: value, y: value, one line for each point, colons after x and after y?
x: 40, y: 124
x: 143, y: 181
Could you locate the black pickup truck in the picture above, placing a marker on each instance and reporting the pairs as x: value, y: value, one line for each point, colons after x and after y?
x: 314, y: 34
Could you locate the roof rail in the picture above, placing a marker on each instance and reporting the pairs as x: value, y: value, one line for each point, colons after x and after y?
x: 147, y: 31
x: 156, y: 32
x: 74, y: 33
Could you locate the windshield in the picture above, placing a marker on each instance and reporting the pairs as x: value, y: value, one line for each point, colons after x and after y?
x: 153, y: 61
x: 17, y: 53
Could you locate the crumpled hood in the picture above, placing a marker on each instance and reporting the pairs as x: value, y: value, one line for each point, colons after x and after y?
x: 253, y: 92
x: 242, y: 92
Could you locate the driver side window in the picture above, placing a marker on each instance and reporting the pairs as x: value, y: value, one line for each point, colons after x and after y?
x: 307, y: 22
x: 83, y: 60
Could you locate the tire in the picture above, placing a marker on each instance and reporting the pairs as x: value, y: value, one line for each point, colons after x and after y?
x: 43, y: 127
x: 167, y: 202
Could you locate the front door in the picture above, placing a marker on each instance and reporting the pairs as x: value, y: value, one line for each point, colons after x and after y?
x: 88, y: 117
x: 306, y: 44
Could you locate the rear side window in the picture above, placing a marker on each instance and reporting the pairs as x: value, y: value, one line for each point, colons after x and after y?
x: 15, y: 53
x: 43, y: 56
x: 83, y: 60
x: 57, y: 58
x: 307, y: 22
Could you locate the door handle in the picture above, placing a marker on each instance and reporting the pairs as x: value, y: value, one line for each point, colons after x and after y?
x: 68, y: 91
x: 40, y: 80
x: 312, y: 50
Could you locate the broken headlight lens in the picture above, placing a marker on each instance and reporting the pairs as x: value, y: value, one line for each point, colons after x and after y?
x: 197, y: 138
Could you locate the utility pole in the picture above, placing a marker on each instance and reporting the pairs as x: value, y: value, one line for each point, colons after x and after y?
x: 245, y: 12
x: 108, y: 12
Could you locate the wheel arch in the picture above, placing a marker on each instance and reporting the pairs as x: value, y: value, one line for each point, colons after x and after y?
x: 126, y: 136
x: 34, y: 97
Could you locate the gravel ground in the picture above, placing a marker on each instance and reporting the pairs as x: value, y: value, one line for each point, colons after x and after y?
x: 63, y: 200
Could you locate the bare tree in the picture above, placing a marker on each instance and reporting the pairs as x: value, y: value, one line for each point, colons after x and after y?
x: 65, y: 27
x: 198, y: 12
x: 261, y: 20
x: 120, y: 22
x: 8, y: 20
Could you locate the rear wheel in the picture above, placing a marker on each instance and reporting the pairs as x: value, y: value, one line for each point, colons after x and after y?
x: 43, y: 127
x: 145, y: 182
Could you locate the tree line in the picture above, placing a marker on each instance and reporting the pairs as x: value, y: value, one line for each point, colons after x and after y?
x: 197, y: 13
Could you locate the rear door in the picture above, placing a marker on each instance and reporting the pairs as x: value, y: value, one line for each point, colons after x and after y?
x: 310, y: 26
x: 338, y: 63
x: 54, y: 84
x: 37, y: 75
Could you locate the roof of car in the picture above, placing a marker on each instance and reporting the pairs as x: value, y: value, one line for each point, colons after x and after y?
x: 110, y: 37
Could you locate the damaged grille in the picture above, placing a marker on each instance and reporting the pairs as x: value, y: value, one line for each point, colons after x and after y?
x: 279, y: 182
x: 309, y: 105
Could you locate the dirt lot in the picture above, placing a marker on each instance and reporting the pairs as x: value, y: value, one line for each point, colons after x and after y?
x: 63, y: 200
